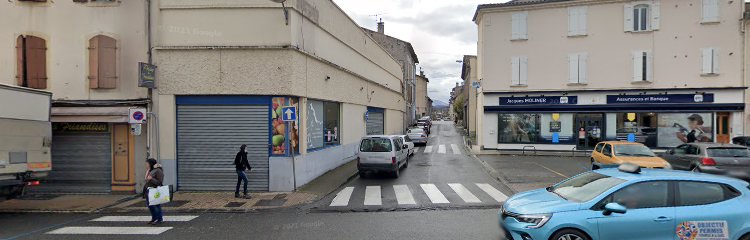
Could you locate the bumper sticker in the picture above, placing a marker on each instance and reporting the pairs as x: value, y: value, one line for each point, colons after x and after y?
x: 703, y: 230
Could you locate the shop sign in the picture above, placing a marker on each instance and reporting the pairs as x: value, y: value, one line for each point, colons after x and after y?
x: 555, y: 126
x: 661, y: 98
x: 80, y: 127
x: 548, y: 100
x: 146, y: 75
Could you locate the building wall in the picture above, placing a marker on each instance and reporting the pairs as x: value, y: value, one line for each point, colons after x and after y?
x: 471, y: 94
x: 422, y: 105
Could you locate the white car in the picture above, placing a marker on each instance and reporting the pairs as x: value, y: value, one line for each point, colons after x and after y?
x: 407, y: 141
x: 382, y: 153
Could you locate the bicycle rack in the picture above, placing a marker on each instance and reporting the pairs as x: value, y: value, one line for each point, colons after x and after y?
x: 528, y: 147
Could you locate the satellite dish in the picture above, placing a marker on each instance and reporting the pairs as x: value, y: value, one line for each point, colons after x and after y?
x: 278, y: 1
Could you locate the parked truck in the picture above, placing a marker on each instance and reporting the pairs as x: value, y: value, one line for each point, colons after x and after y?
x: 25, y: 138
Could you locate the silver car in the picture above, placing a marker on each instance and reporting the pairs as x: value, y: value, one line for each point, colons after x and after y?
x: 381, y: 153
x: 417, y: 135
x: 714, y: 158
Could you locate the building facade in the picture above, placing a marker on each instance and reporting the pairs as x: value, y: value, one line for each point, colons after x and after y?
x: 424, y: 103
x: 85, y: 52
x: 469, y: 75
x: 228, y: 70
x: 562, y: 75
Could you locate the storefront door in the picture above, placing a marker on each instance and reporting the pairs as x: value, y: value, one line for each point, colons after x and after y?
x: 589, y: 129
x: 723, y: 129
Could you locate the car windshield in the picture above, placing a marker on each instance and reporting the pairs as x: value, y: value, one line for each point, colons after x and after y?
x: 728, y: 152
x: 375, y: 145
x: 416, y: 130
x: 585, y: 186
x: 633, y: 150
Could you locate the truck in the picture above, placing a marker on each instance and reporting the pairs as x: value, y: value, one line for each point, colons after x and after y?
x: 25, y: 138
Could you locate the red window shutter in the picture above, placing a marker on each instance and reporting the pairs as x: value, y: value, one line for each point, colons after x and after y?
x: 107, y: 62
x: 36, y: 62
x: 20, y: 61
x: 94, y: 62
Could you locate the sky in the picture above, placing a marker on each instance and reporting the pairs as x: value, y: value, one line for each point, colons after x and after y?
x: 441, y: 32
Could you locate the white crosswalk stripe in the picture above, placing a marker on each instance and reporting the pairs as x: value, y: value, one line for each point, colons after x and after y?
x: 464, y: 193
x: 455, y: 148
x: 142, y: 219
x: 403, y: 195
x: 406, y: 195
x: 342, y: 198
x: 372, y: 196
x: 433, y: 193
x: 121, y: 230
x: 441, y: 148
x: 428, y: 149
x: 494, y: 193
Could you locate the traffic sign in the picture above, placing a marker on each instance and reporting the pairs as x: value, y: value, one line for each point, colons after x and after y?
x: 289, y: 114
x: 137, y: 115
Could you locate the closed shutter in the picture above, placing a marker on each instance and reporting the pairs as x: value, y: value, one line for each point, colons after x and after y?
x: 628, y: 17
x: 81, y: 163
x: 655, y: 15
x: 573, y: 68
x: 20, y: 61
x: 577, y: 21
x: 376, y: 123
x: 524, y: 71
x: 710, y: 10
x: 102, y: 62
x: 515, y: 68
x: 36, y: 62
x: 637, y: 66
x: 208, y: 139
x: 583, y: 60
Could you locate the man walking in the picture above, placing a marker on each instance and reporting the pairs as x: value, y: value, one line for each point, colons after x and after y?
x: 241, y: 164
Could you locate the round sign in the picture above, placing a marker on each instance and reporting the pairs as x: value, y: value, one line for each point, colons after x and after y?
x: 138, y: 115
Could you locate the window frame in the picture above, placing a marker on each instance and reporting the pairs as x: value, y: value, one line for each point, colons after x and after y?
x: 638, y: 18
x: 611, y: 150
x: 339, y: 133
x: 671, y: 195
x: 725, y: 187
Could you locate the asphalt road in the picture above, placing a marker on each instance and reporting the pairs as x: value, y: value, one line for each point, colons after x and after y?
x: 443, y: 194
x: 522, y: 173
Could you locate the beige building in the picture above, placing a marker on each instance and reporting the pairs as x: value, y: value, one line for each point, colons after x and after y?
x: 424, y: 104
x: 469, y: 75
x: 563, y: 74
x: 227, y: 69
x: 86, y: 53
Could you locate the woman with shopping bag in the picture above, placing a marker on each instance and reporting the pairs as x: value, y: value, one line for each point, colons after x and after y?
x: 154, y: 179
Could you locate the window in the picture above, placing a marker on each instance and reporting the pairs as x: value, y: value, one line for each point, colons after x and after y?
x: 599, y: 147
x: 710, y: 61
x: 642, y: 127
x: 701, y: 193
x: 407, y: 139
x: 519, y: 71
x: 710, y: 11
x: 323, y: 126
x: 607, y: 150
x: 519, y: 128
x: 691, y: 150
x: 577, y: 21
x: 641, y: 17
x: 578, y: 68
x: 682, y: 149
x: 728, y: 152
x: 519, y: 31
x: 102, y: 62
x: 633, y: 150
x: 31, y: 62
x: 642, y: 66
x: 642, y: 195
x: 399, y: 144
x: 585, y: 186
x: 375, y: 145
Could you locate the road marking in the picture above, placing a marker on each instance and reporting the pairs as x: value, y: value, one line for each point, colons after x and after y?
x: 112, y: 230
x: 427, y: 149
x: 403, y: 195
x: 342, y: 198
x: 142, y: 218
x: 433, y: 193
x: 562, y: 175
x: 455, y: 148
x: 494, y: 193
x: 464, y: 193
x: 372, y: 196
x: 441, y: 148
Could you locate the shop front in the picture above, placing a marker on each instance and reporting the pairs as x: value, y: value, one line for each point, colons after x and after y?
x: 580, y: 120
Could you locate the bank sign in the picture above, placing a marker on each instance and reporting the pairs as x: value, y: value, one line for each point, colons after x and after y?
x: 661, y: 98
x: 548, y: 100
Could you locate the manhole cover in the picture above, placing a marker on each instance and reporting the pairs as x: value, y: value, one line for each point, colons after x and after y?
x: 235, y: 204
x: 270, y: 203
x: 169, y: 204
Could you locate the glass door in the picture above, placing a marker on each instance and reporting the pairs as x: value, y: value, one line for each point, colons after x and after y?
x: 589, y: 129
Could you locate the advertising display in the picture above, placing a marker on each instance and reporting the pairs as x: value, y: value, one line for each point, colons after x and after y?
x: 315, y: 125
x: 281, y: 137
x: 678, y: 128
x: 519, y: 128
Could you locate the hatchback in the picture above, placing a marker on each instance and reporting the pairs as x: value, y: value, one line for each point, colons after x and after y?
x: 417, y: 135
x: 715, y: 158
x: 614, y: 153
x: 382, y: 154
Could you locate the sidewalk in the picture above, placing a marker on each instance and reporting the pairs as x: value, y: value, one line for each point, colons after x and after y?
x: 62, y: 203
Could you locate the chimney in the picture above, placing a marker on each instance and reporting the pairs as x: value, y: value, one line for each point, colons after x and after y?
x: 381, y: 27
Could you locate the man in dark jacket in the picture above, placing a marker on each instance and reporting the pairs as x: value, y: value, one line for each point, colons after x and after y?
x: 241, y: 164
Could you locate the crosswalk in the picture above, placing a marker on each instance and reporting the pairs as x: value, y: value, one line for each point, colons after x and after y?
x: 440, y: 149
x: 125, y: 229
x: 409, y: 195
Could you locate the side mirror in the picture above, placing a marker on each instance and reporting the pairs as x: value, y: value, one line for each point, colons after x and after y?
x: 614, y: 208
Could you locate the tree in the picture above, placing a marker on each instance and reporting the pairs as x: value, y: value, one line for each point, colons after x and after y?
x: 458, y: 107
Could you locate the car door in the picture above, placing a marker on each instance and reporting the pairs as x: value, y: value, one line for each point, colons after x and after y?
x: 596, y: 154
x: 650, y: 213
x: 400, y: 150
x: 409, y: 143
x: 677, y: 158
x: 708, y: 210
x: 606, y: 156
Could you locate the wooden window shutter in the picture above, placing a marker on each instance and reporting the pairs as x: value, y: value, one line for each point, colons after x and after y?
x: 102, y: 62
x: 36, y: 62
x: 20, y: 61
x: 94, y: 62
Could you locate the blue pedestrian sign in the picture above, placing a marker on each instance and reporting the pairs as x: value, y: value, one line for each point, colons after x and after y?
x: 289, y: 114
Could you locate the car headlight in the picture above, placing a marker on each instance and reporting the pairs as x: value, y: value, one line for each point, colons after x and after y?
x: 537, y: 219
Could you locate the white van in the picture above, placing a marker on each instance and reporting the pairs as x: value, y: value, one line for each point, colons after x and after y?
x: 381, y: 153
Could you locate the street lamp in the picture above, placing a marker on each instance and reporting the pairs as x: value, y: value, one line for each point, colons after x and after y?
x: 286, y: 12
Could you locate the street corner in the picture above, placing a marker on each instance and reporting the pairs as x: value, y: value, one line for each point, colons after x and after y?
x: 523, y: 173
x: 221, y: 202
x: 51, y: 203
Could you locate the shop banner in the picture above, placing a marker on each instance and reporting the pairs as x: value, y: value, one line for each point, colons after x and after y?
x: 549, y: 100
x: 661, y: 98
x: 281, y: 136
x: 678, y: 128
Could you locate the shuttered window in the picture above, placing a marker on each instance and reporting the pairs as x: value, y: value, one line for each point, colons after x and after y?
x: 102, y: 62
x: 31, y: 62
x: 710, y: 11
x: 577, y: 21
x: 518, y: 26
x: 642, y: 66
x: 710, y: 61
x: 642, y: 17
x: 519, y: 71
x: 578, y: 68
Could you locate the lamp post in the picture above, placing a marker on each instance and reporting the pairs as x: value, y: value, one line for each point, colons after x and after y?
x: 286, y: 12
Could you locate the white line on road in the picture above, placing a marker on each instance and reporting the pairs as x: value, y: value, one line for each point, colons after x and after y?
x: 464, y: 193
x: 433, y: 193
x: 342, y: 198
x: 494, y: 193
x: 112, y: 230
x: 441, y: 148
x: 428, y: 149
x: 372, y: 196
x: 455, y: 148
x: 403, y: 195
x: 142, y: 218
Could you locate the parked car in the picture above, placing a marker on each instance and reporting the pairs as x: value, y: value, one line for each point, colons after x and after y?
x: 715, y: 158
x: 380, y: 153
x: 424, y: 126
x: 742, y: 140
x: 613, y: 153
x: 417, y: 135
x: 409, y: 143
x: 630, y: 203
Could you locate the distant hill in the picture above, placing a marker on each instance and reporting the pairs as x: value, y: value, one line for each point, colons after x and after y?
x: 439, y: 104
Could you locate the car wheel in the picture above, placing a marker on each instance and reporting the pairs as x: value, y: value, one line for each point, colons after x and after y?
x: 746, y: 237
x: 594, y: 166
x: 396, y: 172
x: 569, y: 234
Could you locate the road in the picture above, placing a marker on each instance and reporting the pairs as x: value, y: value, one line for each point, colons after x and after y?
x: 443, y: 194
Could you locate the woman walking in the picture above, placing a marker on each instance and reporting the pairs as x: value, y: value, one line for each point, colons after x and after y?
x: 154, y: 179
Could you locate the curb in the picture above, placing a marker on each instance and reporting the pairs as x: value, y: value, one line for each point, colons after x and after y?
x: 97, y: 210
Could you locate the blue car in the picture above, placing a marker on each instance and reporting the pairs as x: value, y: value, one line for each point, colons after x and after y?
x: 630, y: 203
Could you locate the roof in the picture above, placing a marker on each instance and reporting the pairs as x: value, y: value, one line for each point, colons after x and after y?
x: 661, y: 174
x: 513, y: 3
x: 408, y: 44
x: 378, y: 136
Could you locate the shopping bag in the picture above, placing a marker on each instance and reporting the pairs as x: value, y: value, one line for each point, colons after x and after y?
x: 159, y: 195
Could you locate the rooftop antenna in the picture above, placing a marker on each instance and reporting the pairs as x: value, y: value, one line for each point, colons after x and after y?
x: 378, y: 17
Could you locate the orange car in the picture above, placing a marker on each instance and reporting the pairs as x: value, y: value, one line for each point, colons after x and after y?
x: 614, y: 153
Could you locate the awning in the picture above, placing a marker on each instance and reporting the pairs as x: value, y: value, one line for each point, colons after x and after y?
x: 91, y: 114
x: 703, y: 107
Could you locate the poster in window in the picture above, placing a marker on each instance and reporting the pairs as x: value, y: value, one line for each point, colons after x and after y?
x: 678, y: 128
x: 315, y: 124
x: 519, y: 128
x: 281, y: 137
x: 555, y: 126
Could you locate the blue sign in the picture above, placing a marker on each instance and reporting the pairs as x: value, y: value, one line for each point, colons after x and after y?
x: 547, y: 100
x: 367, y: 116
x: 138, y: 115
x: 556, y: 137
x: 631, y: 137
x: 661, y: 98
x: 288, y: 114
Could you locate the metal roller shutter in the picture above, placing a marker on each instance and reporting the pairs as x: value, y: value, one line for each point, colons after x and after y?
x: 81, y: 163
x: 375, y: 123
x: 208, y: 138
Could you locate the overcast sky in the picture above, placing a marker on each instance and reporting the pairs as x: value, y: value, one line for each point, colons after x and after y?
x: 441, y: 32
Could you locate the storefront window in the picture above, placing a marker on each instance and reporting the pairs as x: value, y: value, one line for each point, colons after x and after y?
x: 679, y: 128
x: 519, y: 128
x: 323, y: 127
x: 331, y: 130
x: 642, y: 126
